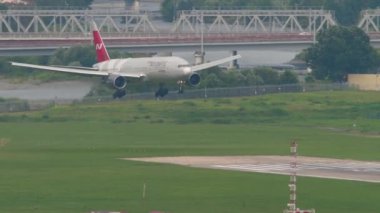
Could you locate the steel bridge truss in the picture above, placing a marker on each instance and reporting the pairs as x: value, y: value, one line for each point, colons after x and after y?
x: 65, y: 23
x: 248, y: 21
x: 59, y: 22
x: 370, y: 21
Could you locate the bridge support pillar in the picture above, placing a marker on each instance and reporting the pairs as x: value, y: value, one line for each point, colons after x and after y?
x: 234, y: 64
x: 199, y: 57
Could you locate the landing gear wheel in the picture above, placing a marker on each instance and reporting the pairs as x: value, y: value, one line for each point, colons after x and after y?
x: 181, y: 89
x: 119, y: 94
x: 161, y: 92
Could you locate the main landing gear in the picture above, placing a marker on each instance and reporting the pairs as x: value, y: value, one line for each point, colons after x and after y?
x: 162, y: 91
x: 119, y: 93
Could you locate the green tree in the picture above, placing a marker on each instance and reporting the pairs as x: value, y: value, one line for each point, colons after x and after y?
x: 340, y: 51
x: 212, y: 80
x: 169, y: 8
x: 306, y: 3
x: 309, y: 78
x: 236, y: 3
x: 63, y: 3
x: 347, y: 12
x: 251, y: 77
x: 268, y: 75
x: 288, y: 77
x: 129, y: 2
x: 85, y: 55
x: 232, y: 78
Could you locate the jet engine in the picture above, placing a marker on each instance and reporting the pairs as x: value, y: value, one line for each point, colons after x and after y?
x: 117, y: 81
x: 194, y: 79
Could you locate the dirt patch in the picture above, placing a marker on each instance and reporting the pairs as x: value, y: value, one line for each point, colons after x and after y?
x: 3, y: 142
x: 306, y: 166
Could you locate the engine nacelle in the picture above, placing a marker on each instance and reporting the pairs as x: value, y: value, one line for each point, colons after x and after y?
x: 117, y: 81
x: 194, y: 79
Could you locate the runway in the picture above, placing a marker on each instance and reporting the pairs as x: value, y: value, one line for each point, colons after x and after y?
x: 306, y: 166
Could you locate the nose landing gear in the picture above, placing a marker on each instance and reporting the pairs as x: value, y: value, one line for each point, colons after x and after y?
x: 181, y: 85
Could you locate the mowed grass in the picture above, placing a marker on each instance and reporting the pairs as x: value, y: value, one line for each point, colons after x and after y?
x: 67, y: 159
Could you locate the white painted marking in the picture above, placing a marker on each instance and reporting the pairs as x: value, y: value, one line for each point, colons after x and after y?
x: 307, y: 166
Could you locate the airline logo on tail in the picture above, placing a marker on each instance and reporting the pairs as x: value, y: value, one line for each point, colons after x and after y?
x: 101, y: 51
x: 99, y: 46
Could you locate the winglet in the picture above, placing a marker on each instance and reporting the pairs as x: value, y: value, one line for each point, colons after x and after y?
x: 101, y: 50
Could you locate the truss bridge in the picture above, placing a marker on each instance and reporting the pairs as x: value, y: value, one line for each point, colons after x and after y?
x: 47, y: 30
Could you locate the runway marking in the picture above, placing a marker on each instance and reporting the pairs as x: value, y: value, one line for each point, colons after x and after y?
x: 366, y: 171
x: 300, y: 167
x: 304, y: 169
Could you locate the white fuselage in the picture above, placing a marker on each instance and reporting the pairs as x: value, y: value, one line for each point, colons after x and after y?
x: 153, y: 68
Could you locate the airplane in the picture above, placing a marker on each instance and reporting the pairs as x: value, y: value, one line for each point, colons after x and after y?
x: 117, y: 71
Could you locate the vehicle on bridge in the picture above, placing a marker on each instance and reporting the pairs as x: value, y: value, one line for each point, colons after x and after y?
x: 117, y: 71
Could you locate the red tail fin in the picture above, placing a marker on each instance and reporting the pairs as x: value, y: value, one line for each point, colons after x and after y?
x: 101, y: 51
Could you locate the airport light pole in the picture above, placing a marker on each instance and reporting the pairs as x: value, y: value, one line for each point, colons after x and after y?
x: 292, y: 205
x: 293, y: 179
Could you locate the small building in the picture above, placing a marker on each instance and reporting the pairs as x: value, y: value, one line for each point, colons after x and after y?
x: 364, y: 81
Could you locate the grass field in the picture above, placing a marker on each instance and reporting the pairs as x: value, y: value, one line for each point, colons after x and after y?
x: 67, y: 159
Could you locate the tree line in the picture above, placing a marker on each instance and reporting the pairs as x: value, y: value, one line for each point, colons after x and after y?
x: 340, y: 51
x: 347, y: 12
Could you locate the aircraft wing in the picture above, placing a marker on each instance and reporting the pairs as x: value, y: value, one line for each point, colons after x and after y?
x: 76, y: 70
x: 214, y: 63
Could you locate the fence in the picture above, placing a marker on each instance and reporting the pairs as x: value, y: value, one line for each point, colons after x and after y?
x: 23, y: 105
x: 229, y: 92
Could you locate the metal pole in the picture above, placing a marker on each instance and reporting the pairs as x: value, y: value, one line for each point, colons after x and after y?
x: 202, y: 39
x: 292, y: 205
x: 314, y: 33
